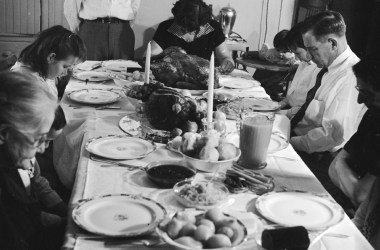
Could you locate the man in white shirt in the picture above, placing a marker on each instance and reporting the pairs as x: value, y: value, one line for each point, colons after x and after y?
x: 301, y: 83
x: 104, y: 26
x: 331, y: 114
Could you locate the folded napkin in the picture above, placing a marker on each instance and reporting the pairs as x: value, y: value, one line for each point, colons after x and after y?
x: 290, y: 238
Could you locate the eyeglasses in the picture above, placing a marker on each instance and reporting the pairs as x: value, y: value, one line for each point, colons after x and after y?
x: 35, y: 142
x: 363, y: 92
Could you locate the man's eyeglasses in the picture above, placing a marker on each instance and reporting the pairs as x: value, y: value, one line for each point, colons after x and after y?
x: 363, y: 92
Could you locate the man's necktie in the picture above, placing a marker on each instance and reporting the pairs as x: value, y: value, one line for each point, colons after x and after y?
x: 309, y: 97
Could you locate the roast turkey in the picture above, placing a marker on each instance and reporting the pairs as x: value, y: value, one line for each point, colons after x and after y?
x: 175, y: 68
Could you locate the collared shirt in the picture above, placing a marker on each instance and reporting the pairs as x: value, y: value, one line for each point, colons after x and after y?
x: 178, y: 31
x: 333, y: 115
x: 75, y: 10
x: 300, y: 85
x: 48, y: 84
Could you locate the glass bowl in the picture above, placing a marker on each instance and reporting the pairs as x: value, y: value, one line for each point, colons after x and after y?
x: 239, y: 238
x: 200, y: 194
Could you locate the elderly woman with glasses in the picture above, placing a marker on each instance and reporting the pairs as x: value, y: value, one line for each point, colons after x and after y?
x: 31, y: 213
x: 51, y: 55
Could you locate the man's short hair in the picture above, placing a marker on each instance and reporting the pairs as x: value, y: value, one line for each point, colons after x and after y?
x: 325, y: 23
x: 368, y: 69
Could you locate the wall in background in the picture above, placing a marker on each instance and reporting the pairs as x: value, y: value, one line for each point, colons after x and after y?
x: 257, y: 21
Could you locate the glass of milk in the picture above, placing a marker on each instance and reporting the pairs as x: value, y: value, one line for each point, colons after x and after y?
x: 255, y: 135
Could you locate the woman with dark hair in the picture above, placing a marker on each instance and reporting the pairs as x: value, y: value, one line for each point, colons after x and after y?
x: 53, y: 52
x: 32, y: 215
x: 194, y: 30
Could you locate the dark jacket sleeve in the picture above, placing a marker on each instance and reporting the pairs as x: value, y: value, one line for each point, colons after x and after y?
x: 47, y: 196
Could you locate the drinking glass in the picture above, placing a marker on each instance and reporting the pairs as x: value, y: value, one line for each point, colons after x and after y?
x: 255, y: 134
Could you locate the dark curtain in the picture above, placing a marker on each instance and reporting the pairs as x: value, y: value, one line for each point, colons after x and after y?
x: 363, y: 24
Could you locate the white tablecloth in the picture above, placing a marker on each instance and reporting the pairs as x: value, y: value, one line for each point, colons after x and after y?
x: 72, y: 163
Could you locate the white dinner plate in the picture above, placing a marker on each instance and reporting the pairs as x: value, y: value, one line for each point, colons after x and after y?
x: 130, y: 126
x: 277, y: 143
x: 94, y: 96
x: 120, y: 65
x: 300, y: 209
x: 234, y: 108
x: 92, y: 76
x: 234, y: 82
x: 240, y: 73
x: 119, y: 215
x: 120, y: 147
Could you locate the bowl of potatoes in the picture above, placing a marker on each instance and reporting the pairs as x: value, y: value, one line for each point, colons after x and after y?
x: 194, y: 229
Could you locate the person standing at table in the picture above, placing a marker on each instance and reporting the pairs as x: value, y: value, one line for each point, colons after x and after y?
x: 104, y: 26
x: 50, y: 55
x: 330, y: 114
x: 194, y: 30
x: 354, y: 168
x: 301, y: 83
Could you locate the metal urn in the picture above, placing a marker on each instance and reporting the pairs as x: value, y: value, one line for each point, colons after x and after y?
x: 227, y: 16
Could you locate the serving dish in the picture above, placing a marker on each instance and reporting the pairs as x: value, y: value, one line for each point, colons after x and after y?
x: 167, y: 173
x: 238, y: 228
x: 200, y: 194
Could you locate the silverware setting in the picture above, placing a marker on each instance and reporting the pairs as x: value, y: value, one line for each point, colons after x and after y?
x: 97, y: 108
x: 147, y: 241
x: 115, y: 163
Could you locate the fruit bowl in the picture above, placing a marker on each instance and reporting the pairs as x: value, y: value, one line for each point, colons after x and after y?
x: 238, y: 228
x: 211, y: 166
x: 200, y: 194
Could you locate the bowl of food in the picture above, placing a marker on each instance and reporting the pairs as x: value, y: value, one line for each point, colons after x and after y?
x: 200, y: 194
x: 220, y: 166
x: 212, y: 229
x: 167, y: 173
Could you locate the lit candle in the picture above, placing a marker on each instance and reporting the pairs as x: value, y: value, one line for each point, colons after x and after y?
x: 147, y: 63
x: 210, y: 96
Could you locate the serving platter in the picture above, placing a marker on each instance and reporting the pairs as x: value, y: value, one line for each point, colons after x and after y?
x: 130, y: 126
x: 233, y: 82
x: 120, y: 147
x: 119, y: 215
x: 94, y: 96
x: 300, y: 209
x: 92, y: 76
x: 235, y: 108
x: 120, y: 65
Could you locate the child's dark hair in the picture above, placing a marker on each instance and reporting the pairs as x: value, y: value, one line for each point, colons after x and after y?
x: 56, y: 40
x: 294, y: 39
x: 368, y: 69
x: 59, y: 119
x: 279, y: 41
x: 191, y: 14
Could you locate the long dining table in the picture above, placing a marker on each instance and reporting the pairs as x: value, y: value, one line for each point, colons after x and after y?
x: 88, y: 179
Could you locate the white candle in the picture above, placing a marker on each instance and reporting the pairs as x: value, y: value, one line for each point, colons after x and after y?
x: 147, y: 63
x: 210, y: 96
